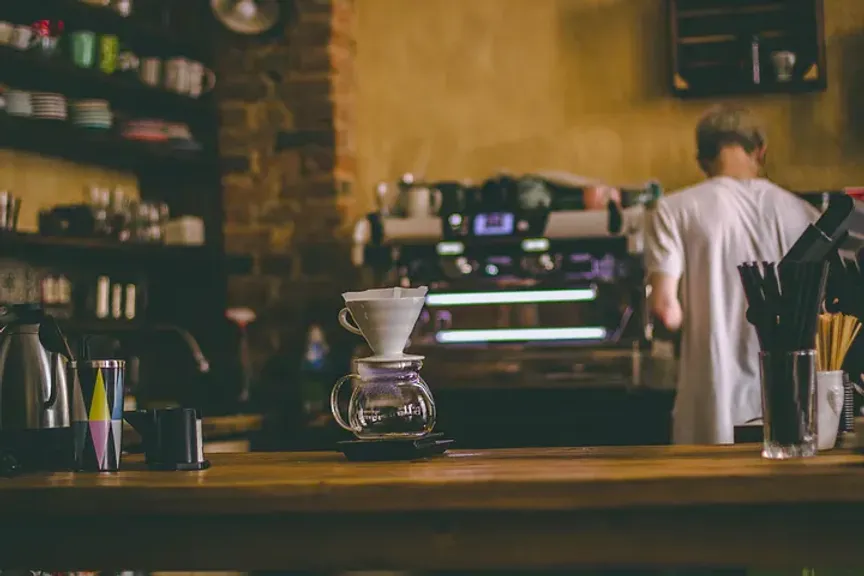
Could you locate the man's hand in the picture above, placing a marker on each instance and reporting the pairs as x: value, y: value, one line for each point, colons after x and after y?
x: 671, y: 316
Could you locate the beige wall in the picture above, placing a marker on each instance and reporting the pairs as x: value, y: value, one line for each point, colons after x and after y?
x: 44, y: 182
x: 578, y: 85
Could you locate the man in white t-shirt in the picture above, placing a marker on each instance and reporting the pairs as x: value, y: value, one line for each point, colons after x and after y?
x: 696, y: 239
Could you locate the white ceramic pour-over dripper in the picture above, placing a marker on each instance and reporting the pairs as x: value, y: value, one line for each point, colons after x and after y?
x: 384, y: 317
x: 386, y: 294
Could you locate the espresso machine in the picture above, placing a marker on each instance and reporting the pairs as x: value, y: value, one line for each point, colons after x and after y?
x: 537, y: 291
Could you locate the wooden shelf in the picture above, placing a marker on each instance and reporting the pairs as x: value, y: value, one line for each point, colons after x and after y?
x: 62, y: 247
x: 712, y: 51
x: 100, y: 326
x: 60, y: 139
x: 731, y: 89
x: 134, y: 254
x: 34, y: 71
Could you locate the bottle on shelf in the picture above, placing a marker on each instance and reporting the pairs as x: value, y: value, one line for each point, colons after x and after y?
x: 103, y: 297
x: 755, y: 55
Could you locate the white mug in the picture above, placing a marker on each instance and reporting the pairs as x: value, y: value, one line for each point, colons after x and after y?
x: 784, y: 64
x: 150, y: 71
x: 198, y: 73
x: 22, y: 37
x: 6, y: 32
x: 177, y: 75
x: 829, y: 405
x: 422, y: 202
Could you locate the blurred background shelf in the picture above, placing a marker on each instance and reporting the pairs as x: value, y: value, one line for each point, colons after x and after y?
x: 36, y: 247
x: 178, y: 285
x: 61, y: 139
x: 146, y: 30
x: 55, y: 73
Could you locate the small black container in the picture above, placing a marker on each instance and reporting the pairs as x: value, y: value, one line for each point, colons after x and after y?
x: 172, y: 438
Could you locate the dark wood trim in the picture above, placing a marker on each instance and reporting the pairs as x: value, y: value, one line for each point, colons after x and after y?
x: 718, y: 536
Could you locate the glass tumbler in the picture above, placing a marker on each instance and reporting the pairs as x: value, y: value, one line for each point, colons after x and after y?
x: 788, y: 381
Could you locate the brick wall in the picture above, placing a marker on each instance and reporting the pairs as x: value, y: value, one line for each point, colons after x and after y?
x: 287, y: 146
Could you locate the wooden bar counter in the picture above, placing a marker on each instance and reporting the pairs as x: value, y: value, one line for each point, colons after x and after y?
x: 529, y: 509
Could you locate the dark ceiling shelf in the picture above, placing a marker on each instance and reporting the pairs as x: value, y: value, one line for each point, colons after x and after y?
x: 106, y: 326
x: 145, y: 35
x: 61, y: 139
x: 37, y: 245
x: 134, y: 254
x: 36, y: 71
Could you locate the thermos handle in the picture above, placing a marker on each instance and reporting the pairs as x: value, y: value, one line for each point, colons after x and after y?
x: 334, y: 401
x: 54, y: 382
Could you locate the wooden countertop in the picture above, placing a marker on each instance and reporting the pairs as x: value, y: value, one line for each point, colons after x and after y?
x: 576, y: 506
x: 539, y: 479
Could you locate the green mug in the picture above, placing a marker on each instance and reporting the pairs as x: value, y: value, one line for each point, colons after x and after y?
x: 83, y: 48
x: 109, y: 48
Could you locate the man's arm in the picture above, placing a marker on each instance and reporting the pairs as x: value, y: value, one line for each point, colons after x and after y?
x: 664, y: 302
x: 664, y: 255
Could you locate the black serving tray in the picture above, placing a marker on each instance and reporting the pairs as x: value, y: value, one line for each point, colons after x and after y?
x: 391, y: 450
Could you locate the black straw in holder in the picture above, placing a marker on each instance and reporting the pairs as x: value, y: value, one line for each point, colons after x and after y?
x: 783, y: 306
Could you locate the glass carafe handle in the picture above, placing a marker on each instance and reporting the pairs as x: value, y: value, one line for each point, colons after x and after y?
x: 334, y: 401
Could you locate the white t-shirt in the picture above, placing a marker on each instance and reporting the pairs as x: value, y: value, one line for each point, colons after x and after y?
x: 701, y: 235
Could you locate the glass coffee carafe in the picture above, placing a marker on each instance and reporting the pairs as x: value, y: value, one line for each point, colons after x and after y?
x: 389, y: 400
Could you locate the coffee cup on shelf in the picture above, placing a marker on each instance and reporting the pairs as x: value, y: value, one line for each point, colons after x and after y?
x: 83, y: 45
x: 201, y: 79
x: 122, y: 7
x: 22, y: 37
x: 127, y: 61
x: 784, y: 64
x: 6, y: 29
x: 150, y: 71
x: 177, y: 75
x: 109, y: 46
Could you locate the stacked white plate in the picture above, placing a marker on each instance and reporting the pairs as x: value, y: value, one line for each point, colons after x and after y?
x: 18, y: 103
x: 92, y: 114
x: 49, y: 105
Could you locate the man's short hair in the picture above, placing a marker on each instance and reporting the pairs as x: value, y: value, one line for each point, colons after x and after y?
x: 723, y: 126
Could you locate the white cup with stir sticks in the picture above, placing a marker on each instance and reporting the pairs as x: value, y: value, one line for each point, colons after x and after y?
x: 835, y: 336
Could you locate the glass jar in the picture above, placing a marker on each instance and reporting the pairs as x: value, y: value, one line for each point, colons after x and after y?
x: 389, y: 400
